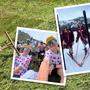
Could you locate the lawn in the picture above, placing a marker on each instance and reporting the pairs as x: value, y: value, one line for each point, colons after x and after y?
x: 32, y: 14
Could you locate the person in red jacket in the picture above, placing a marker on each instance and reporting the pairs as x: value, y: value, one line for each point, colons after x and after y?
x: 82, y: 34
x: 52, y: 61
x: 67, y: 39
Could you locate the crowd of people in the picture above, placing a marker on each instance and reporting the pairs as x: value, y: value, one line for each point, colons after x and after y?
x: 68, y: 37
x: 51, y: 62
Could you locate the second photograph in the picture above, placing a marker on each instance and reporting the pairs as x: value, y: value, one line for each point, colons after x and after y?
x: 73, y: 25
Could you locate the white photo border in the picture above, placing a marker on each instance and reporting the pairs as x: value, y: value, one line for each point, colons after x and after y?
x: 37, y: 81
x: 55, y: 12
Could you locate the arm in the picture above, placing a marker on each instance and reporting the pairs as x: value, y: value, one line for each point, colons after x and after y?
x: 44, y: 70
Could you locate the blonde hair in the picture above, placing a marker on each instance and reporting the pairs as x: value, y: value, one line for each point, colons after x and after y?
x: 50, y: 38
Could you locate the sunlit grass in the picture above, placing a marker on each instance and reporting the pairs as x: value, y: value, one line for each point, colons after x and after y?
x: 34, y: 14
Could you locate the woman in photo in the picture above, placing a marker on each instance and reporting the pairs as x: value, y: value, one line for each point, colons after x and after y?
x: 52, y: 60
x: 21, y: 63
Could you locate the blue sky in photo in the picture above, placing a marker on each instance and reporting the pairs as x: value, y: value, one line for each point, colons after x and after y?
x: 40, y: 35
x: 73, y: 12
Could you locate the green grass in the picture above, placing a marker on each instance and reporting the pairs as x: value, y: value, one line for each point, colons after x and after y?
x: 33, y: 14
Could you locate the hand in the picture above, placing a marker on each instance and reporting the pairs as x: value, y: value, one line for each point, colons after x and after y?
x: 17, y: 70
x: 64, y: 43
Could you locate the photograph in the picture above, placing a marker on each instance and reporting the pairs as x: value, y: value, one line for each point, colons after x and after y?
x: 73, y: 27
x: 37, y: 57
